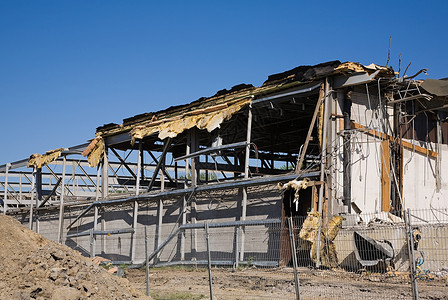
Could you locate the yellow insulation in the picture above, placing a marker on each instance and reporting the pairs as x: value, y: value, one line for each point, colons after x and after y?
x: 309, y: 232
x: 39, y: 160
x: 207, y: 119
x: 95, y: 151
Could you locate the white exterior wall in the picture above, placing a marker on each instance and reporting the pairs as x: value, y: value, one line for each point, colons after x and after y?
x: 366, y: 150
x: 366, y: 173
x: 419, y: 180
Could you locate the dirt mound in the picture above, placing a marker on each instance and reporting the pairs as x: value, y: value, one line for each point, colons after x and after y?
x: 33, y: 267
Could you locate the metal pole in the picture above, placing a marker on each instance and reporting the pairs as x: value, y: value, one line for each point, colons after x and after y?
x: 92, y: 250
x: 184, y: 199
x: 105, y: 175
x: 33, y: 186
x: 39, y: 195
x: 410, y: 242
x: 20, y: 186
x: 98, y: 175
x: 207, y: 237
x: 194, y: 183
x: 61, y: 204
x: 95, y: 226
x: 5, y: 198
x: 246, y: 176
x: 347, y: 168
x: 294, y: 257
x: 322, y: 172
x: 137, y: 192
x: 146, y: 260
x: 139, y: 167
x: 159, y: 222
x: 103, y: 228
x: 134, y: 234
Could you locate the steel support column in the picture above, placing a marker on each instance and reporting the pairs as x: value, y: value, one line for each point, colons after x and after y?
x: 39, y: 195
x: 33, y: 186
x: 184, y: 199
x: 347, y: 169
x: 95, y: 225
x: 5, y: 197
x: 61, y: 203
x: 137, y: 192
x: 194, y: 182
x: 159, y: 222
x: 105, y: 175
x: 134, y: 234
x: 139, y: 168
x: 246, y: 176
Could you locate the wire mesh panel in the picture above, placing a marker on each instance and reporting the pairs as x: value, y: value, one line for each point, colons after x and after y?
x: 367, y: 260
x: 430, y: 244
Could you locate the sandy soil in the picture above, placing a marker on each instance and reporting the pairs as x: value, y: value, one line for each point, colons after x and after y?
x: 191, y: 283
x: 33, y: 267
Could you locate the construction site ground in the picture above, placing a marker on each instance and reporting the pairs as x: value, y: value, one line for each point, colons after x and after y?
x: 36, y: 268
x: 33, y: 267
x: 278, y: 283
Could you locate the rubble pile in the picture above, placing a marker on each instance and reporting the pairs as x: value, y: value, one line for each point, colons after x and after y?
x: 36, y: 268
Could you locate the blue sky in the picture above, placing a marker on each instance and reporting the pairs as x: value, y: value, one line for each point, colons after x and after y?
x: 68, y: 67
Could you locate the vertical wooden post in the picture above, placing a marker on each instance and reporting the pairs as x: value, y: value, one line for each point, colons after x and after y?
x: 385, y: 176
x: 322, y: 171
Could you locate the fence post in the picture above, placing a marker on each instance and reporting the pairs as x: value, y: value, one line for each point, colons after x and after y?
x: 294, y: 256
x: 410, y: 242
x: 146, y: 259
x: 237, y: 236
x: 92, y: 248
x: 209, y: 260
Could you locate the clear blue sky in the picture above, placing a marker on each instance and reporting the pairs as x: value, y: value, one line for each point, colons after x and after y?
x: 67, y: 67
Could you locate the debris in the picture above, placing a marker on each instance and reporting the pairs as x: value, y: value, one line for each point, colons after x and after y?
x: 95, y: 151
x: 38, y: 160
x: 369, y: 252
x: 309, y: 231
x: 39, y: 268
x: 297, y: 185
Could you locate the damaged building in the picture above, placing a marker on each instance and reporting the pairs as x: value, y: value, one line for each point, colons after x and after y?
x: 336, y: 139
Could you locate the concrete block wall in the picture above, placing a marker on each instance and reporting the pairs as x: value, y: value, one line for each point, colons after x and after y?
x: 214, y: 207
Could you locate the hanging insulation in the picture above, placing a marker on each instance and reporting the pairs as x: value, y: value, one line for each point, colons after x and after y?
x: 95, y: 151
x: 39, y: 160
x: 208, y: 118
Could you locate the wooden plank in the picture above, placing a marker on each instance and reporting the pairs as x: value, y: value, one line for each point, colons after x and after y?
x: 385, y: 176
x: 310, y: 129
x: 285, y: 244
x: 383, y: 136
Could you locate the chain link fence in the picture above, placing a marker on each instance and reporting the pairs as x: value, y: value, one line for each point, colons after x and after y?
x: 363, y: 256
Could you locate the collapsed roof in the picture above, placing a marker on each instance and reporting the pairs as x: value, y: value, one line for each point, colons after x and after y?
x: 210, y: 112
